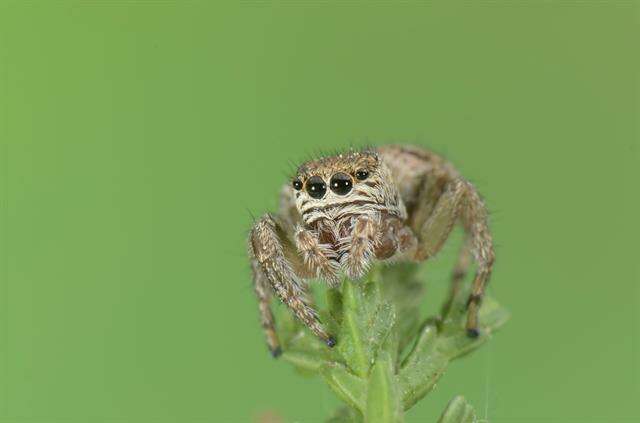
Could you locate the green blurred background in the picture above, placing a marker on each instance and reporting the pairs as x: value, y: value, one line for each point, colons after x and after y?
x: 137, y: 137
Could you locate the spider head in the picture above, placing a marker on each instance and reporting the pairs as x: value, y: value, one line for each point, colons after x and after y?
x: 351, y: 183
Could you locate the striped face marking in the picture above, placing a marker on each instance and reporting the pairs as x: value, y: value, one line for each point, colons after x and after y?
x: 338, y: 187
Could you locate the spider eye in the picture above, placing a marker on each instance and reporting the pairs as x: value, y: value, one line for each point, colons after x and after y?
x: 341, y: 183
x: 362, y: 174
x: 297, y: 184
x: 316, y: 187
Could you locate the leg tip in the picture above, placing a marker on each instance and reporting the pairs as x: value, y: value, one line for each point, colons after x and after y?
x: 276, y: 352
x: 473, y: 333
x: 331, y: 342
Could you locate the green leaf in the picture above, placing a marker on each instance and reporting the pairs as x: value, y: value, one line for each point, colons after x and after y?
x: 402, y: 286
x: 300, y: 347
x: 347, y: 386
x: 439, y: 343
x: 455, y: 341
x: 458, y: 411
x: 334, y: 304
x: 304, y: 361
x: 423, y: 367
x: 383, y: 399
x: 345, y: 415
x: 367, y: 320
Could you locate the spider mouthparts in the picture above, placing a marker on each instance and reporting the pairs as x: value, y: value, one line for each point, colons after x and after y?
x: 331, y: 342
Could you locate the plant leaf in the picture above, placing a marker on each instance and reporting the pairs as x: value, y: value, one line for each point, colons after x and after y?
x: 458, y: 411
x: 383, y: 399
x: 345, y: 415
x: 456, y: 343
x: 405, y: 290
x: 304, y: 361
x: 367, y: 320
x: 423, y: 367
x: 437, y: 346
x: 346, y: 385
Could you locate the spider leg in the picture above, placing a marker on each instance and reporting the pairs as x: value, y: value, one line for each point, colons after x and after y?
x: 319, y: 258
x: 277, y: 263
x: 359, y: 247
x: 459, y: 273
x: 266, y: 317
x: 288, y: 213
x: 474, y: 219
x: 460, y: 200
x: 438, y: 225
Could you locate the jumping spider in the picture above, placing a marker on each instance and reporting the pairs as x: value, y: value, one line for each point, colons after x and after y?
x: 342, y: 212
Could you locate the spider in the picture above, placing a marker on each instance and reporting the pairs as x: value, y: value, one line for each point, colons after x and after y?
x: 341, y: 213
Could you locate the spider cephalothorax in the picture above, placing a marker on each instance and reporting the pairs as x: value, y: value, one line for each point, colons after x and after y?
x: 332, y: 196
x: 342, y: 212
x: 346, y: 185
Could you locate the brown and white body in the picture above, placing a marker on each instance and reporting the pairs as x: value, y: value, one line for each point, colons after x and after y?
x: 341, y: 213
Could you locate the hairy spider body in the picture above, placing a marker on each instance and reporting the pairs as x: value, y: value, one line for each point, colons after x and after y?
x: 341, y: 213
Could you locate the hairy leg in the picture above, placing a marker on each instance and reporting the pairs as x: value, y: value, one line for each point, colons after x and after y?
x: 319, y: 258
x: 437, y: 227
x: 266, y: 317
x: 474, y: 219
x: 288, y: 213
x: 461, y: 202
x: 359, y: 247
x: 459, y: 273
x: 275, y: 259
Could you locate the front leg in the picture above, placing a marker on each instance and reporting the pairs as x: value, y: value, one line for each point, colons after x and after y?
x: 320, y: 259
x: 273, y: 260
x: 358, y: 248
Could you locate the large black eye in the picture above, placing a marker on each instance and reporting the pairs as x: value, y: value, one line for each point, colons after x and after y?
x: 316, y: 187
x: 341, y: 183
x: 297, y: 184
x: 362, y: 174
